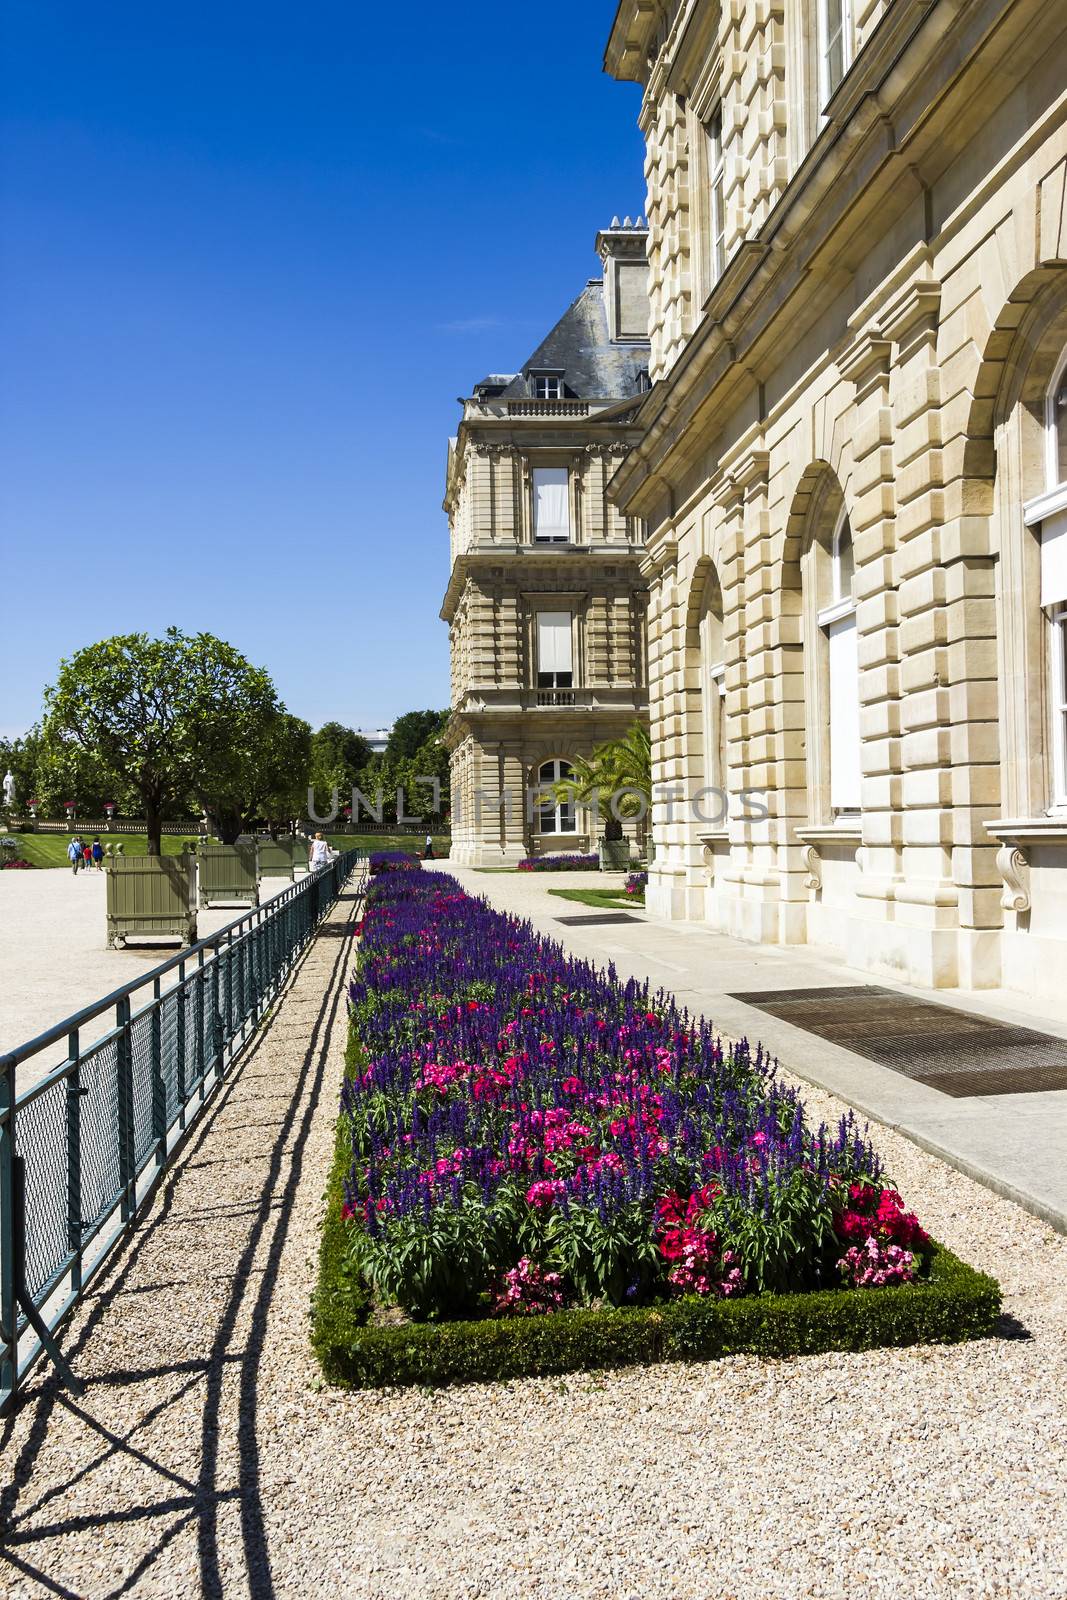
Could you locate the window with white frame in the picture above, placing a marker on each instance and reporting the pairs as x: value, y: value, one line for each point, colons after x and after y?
x: 717, y: 681
x: 716, y: 198
x: 553, y: 815
x: 838, y: 622
x: 1048, y: 513
x: 555, y: 661
x: 547, y: 386
x: 551, y: 504
x: 835, y: 45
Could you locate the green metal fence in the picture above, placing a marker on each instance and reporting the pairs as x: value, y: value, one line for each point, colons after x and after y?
x: 82, y: 1148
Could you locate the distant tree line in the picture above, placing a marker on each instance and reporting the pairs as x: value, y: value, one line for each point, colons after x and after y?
x: 173, y: 727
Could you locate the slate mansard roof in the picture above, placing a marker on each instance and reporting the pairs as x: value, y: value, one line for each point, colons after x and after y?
x: 592, y: 365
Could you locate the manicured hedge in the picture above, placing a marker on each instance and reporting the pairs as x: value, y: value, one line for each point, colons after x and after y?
x: 954, y: 1304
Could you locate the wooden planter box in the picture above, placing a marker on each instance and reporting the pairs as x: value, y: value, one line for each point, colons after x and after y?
x: 151, y: 895
x: 276, y: 858
x: 229, y: 874
x: 614, y: 855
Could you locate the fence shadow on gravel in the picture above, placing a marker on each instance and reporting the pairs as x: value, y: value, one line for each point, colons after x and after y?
x: 24, y: 1528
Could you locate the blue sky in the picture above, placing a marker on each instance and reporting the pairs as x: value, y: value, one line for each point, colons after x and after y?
x: 251, y: 253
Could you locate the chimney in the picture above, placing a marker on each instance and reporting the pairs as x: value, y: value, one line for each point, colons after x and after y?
x: 622, y: 249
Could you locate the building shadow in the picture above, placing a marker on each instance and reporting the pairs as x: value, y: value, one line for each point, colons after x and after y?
x: 26, y: 1525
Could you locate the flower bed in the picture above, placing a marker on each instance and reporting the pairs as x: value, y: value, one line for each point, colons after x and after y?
x: 543, y: 1169
x: 560, y: 864
x: 635, y: 885
x: 391, y: 861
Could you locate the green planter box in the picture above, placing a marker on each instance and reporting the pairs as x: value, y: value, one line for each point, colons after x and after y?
x: 276, y: 858
x: 229, y: 874
x: 301, y: 853
x: 151, y: 895
x: 614, y: 855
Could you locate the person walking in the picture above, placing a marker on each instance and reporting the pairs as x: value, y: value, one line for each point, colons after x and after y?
x: 427, y: 854
x: 320, y: 853
x: 74, y: 854
x: 98, y: 855
x: 87, y: 856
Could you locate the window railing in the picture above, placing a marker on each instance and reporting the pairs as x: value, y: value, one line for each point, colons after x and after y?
x: 83, y: 1148
x: 555, y: 697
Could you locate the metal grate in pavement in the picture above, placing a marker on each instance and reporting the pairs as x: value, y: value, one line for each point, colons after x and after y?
x: 598, y: 919
x: 953, y: 1051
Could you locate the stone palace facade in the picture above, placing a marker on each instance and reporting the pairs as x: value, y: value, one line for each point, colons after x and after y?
x: 852, y: 464
x: 546, y: 602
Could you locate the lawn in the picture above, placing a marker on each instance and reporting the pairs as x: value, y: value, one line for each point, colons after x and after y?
x: 612, y: 898
x: 50, y: 849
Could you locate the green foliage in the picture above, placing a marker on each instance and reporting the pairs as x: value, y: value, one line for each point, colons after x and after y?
x: 165, y: 718
x: 338, y: 757
x: 954, y: 1305
x: 618, y: 767
x: 411, y: 731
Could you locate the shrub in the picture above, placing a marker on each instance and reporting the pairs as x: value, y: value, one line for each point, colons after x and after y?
x: 953, y: 1305
x: 391, y: 861
x: 559, y: 864
x: 521, y: 1130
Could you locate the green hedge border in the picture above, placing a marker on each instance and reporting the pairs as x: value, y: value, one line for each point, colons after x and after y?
x: 955, y: 1304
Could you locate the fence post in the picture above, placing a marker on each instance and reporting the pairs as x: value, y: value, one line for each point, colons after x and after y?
x: 179, y: 1044
x: 124, y: 1095
x: 74, y: 1160
x: 201, y: 1006
x: 8, y: 1328
x: 159, y: 1088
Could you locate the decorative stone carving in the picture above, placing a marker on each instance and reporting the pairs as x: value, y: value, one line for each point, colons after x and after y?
x: 813, y: 862
x: 1015, y: 870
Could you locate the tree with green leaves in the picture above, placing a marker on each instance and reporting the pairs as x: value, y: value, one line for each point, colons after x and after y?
x: 338, y: 757
x: 270, y: 787
x: 619, y: 770
x: 167, y: 718
x: 411, y: 731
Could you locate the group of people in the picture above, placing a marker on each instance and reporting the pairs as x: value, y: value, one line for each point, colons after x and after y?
x: 85, y: 855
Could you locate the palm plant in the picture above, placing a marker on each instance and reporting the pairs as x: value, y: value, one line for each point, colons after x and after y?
x: 618, y: 767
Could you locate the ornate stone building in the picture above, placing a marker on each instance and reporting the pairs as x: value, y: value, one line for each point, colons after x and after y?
x: 545, y: 603
x: 853, y: 468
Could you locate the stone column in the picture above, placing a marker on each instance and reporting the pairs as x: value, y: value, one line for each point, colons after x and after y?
x: 871, y: 507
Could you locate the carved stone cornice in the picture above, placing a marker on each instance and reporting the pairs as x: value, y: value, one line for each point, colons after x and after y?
x: 866, y: 362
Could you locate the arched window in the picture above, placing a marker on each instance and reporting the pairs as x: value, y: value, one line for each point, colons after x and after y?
x: 838, y: 623
x: 552, y: 815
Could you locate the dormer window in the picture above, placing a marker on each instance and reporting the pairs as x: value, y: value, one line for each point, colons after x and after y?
x: 547, y: 385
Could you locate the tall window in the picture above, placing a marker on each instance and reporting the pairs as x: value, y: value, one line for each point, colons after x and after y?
x: 838, y: 621
x: 835, y: 45
x: 716, y: 199
x: 554, y: 816
x: 555, y: 664
x: 551, y: 504
x: 1052, y: 509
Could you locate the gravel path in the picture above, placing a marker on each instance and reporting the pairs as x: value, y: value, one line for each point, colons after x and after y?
x: 207, y: 1458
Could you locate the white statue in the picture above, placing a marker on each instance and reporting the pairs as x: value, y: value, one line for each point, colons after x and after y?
x: 9, y: 790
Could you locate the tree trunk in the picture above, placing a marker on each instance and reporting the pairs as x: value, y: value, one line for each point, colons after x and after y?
x: 154, y: 820
x: 230, y: 825
x: 612, y: 827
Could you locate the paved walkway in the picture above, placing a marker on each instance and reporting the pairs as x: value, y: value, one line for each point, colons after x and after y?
x: 1017, y: 1143
x: 53, y: 948
x: 207, y: 1458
